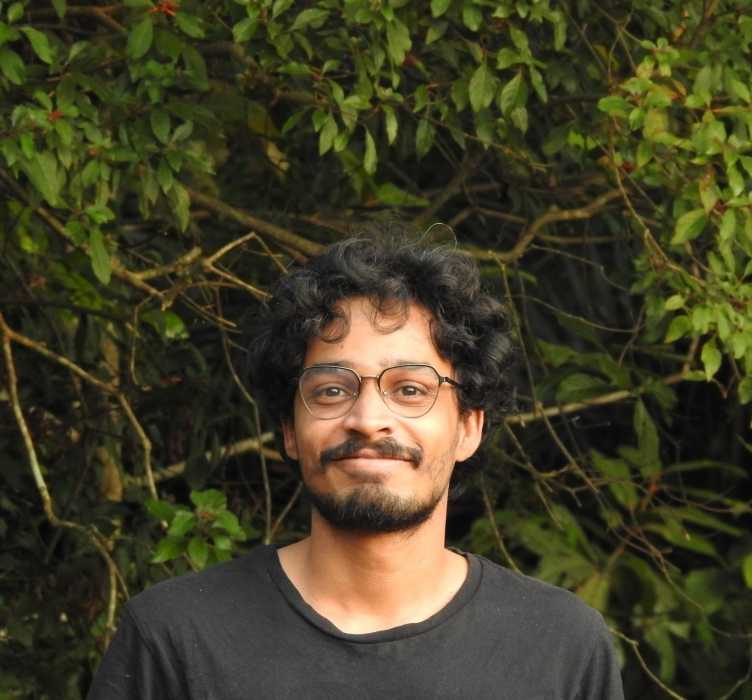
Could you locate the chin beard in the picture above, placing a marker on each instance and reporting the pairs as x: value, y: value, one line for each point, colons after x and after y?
x: 371, y: 508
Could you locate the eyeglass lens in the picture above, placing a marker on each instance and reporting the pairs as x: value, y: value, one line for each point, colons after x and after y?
x: 408, y: 390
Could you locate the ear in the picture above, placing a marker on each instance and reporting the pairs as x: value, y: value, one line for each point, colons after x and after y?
x: 290, y: 441
x: 471, y: 432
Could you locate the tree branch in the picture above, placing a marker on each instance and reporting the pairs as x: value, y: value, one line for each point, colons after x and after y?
x: 279, y: 234
x: 550, y: 217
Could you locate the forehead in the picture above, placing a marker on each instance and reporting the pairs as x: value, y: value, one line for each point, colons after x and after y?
x: 368, y: 339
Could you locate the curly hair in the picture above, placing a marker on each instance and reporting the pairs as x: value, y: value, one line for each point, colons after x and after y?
x: 470, y: 328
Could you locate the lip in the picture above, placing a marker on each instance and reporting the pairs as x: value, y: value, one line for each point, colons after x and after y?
x: 370, y: 462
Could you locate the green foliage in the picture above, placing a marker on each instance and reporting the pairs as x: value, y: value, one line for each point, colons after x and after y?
x: 162, y: 162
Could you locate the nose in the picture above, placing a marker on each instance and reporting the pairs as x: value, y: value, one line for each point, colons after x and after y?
x: 369, y: 414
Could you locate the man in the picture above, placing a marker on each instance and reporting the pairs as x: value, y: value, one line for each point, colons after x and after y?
x: 383, y: 363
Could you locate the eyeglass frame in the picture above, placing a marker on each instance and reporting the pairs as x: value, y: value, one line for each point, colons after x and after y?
x: 442, y: 380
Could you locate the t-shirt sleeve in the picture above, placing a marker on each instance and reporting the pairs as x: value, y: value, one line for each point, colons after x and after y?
x: 601, y: 679
x: 131, y: 668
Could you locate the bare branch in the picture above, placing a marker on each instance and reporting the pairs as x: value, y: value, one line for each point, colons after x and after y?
x: 279, y: 234
x: 233, y: 450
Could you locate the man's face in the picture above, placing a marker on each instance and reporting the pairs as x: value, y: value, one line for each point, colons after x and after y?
x: 380, y: 472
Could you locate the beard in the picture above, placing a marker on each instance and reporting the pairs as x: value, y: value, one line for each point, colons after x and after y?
x: 371, y: 507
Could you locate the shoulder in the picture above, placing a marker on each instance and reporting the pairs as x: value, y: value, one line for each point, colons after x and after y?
x: 536, y: 605
x: 211, y: 592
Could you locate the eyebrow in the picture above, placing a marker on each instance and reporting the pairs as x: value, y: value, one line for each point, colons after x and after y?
x: 391, y: 362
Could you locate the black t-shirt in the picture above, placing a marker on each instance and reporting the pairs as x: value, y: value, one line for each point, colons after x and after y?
x: 241, y: 630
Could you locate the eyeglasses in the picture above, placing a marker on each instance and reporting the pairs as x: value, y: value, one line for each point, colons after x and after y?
x: 410, y: 391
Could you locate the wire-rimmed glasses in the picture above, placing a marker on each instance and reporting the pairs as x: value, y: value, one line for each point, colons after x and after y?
x: 409, y: 390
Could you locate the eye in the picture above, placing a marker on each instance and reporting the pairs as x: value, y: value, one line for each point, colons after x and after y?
x: 409, y: 392
x: 329, y: 393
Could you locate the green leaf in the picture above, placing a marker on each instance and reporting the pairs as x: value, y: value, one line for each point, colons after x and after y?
x: 647, y: 439
x: 747, y: 570
x: 398, y: 41
x: 689, y: 226
x: 210, y: 500
x: 674, y: 302
x: 60, y: 7
x: 472, y: 16
x: 39, y: 43
x: 169, y: 548
x: 140, y: 38
x: 15, y: 12
x: 390, y: 194
x: 183, y: 522
x: 439, y: 7
x: 161, y: 510
x: 198, y: 551
x: 578, y: 386
x: 370, y: 159
x: 745, y: 390
x: 703, y: 83
x: 482, y: 87
x: 536, y: 80
x: 181, y: 205
x: 735, y: 180
x: 46, y: 176
x: 424, y: 136
x: 728, y: 225
x: 312, y: 17
x: 436, y: 31
x: 711, y: 358
x: 190, y: 25
x: 511, y: 93
x: 12, y: 66
x: 614, y: 106
x: 245, y: 29
x: 160, y: 124
x: 228, y: 522
x: 390, y: 122
x: 618, y: 478
x: 327, y: 134
x: 100, y: 258
x: 678, y: 328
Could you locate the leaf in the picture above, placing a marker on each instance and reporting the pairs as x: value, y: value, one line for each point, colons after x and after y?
x: 619, y: 479
x: 482, y: 87
x: 578, y: 386
x: 39, y: 43
x: 472, y: 16
x: 674, y: 302
x: 370, y: 159
x: 12, y: 66
x: 595, y: 591
x: 183, y: 522
x: 312, y: 17
x: 439, y: 7
x: 60, y: 7
x: 100, y: 258
x: 689, y: 226
x: 702, y: 84
x: 168, y: 548
x: 678, y: 328
x: 198, y: 551
x: 181, y: 204
x: 711, y: 358
x: 245, y: 29
x: 140, y: 38
x: 394, y: 196
x: 190, y: 25
x: 161, y: 510
x: 328, y: 132
x: 511, y: 93
x: 46, y: 176
x: 424, y: 136
x: 747, y: 570
x: 210, y: 500
x: 647, y: 439
x: 728, y: 225
x: 398, y: 41
x: 160, y: 124
x: 390, y: 122
x: 228, y: 522
x: 735, y: 180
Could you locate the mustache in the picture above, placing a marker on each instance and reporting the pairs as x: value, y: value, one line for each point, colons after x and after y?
x: 388, y: 448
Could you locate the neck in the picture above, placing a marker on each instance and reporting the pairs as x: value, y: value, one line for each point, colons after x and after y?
x: 369, y: 582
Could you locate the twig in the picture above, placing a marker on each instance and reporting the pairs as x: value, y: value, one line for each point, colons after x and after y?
x: 225, y: 452
x: 550, y: 217
x: 615, y: 396
x: 47, y: 504
x: 495, y: 528
x: 469, y: 165
x: 279, y: 234
x: 11, y: 335
x: 636, y: 648
x: 286, y: 510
